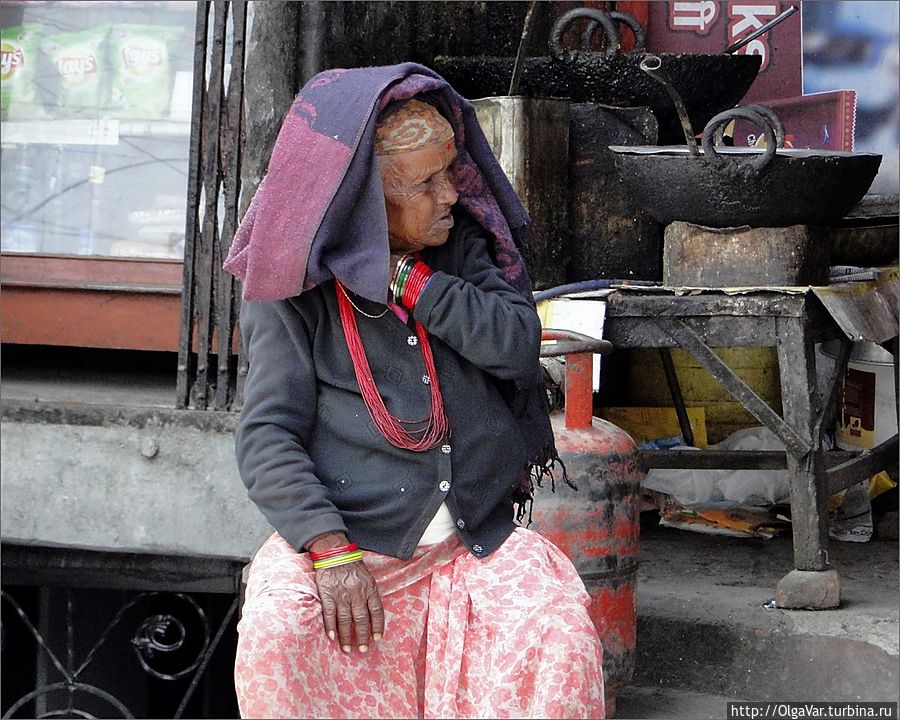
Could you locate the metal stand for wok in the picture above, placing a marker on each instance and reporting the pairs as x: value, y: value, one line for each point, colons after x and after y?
x: 792, y: 322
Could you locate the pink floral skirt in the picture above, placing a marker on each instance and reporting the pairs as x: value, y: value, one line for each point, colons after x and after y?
x: 507, y: 636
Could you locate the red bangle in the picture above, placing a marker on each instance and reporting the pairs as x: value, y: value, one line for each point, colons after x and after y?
x: 420, y: 286
x: 331, y: 552
x: 415, y: 283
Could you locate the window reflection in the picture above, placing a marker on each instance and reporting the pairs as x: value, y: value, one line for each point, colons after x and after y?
x: 855, y: 45
x: 96, y: 108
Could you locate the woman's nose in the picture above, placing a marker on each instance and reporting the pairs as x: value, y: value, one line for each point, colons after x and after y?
x: 446, y: 190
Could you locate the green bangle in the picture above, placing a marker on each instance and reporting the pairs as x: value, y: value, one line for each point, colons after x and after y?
x: 401, y: 268
x: 399, y: 264
x: 402, y: 277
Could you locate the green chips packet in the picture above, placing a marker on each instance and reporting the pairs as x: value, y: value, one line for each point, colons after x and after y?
x: 18, y: 60
x: 80, y: 61
x: 142, y: 69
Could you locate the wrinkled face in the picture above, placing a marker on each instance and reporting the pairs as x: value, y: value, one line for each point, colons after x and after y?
x: 418, y: 194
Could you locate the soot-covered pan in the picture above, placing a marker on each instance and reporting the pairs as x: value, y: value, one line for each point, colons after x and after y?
x: 708, y: 83
x: 719, y: 186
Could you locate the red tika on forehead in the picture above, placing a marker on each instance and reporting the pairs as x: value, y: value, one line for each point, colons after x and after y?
x: 414, y: 125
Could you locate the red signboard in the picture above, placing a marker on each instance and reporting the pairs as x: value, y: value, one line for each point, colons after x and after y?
x: 708, y: 27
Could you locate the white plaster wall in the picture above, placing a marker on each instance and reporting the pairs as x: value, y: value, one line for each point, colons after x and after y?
x: 93, y: 487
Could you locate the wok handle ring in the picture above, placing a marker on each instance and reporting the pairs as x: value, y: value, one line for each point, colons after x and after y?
x: 761, y: 120
x: 560, y: 54
x: 769, y: 114
x: 640, y: 37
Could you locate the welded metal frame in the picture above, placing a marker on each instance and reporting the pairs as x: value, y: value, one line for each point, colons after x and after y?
x: 144, y: 576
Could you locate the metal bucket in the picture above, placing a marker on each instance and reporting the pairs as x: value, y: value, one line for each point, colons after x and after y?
x: 868, y: 414
x: 530, y: 139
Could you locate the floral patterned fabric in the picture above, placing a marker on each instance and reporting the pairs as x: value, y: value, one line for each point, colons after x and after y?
x: 507, y: 636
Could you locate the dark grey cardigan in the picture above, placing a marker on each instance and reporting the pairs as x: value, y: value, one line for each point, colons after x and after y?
x: 310, y: 454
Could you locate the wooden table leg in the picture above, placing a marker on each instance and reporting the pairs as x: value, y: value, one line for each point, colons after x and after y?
x: 812, y: 584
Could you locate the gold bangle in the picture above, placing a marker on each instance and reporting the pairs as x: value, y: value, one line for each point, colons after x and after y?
x: 344, y: 559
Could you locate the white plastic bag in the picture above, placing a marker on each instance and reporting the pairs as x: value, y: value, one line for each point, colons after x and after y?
x: 756, y: 488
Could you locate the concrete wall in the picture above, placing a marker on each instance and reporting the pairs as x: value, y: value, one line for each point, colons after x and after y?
x: 151, y: 487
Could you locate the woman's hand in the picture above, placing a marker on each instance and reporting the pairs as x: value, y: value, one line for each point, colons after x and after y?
x: 350, y: 600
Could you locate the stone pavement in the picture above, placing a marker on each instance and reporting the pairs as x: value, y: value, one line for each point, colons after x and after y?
x: 707, y: 631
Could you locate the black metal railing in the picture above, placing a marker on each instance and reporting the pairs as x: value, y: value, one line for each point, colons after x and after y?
x: 208, y: 370
x: 169, y: 633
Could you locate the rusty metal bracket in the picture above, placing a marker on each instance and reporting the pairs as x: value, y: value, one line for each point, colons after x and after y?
x: 578, y: 343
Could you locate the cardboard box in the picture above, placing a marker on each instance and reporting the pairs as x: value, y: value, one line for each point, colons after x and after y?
x: 655, y: 423
x: 821, y: 121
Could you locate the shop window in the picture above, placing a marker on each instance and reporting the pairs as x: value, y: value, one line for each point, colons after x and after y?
x: 94, y: 154
x: 96, y: 103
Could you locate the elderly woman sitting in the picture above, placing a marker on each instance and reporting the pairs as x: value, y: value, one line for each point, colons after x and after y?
x: 393, y: 421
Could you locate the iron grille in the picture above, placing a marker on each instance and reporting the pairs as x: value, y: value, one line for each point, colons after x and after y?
x: 208, y: 370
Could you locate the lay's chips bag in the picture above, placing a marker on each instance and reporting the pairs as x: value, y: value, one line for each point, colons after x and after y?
x: 18, y: 60
x: 80, y: 61
x: 141, y: 58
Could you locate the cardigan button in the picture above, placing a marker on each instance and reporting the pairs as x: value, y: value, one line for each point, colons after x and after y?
x: 425, y: 379
x: 477, y: 549
x: 412, y: 341
x: 444, y: 486
x: 445, y: 449
x: 460, y: 523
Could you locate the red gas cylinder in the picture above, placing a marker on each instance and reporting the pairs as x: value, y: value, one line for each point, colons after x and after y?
x: 598, y: 525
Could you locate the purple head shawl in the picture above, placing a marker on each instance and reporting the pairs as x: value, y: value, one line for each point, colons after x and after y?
x: 319, y: 212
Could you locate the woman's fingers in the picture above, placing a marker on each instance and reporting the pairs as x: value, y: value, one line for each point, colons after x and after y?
x: 329, y: 615
x: 351, y: 605
x: 376, y: 613
x: 345, y: 623
x: 361, y: 622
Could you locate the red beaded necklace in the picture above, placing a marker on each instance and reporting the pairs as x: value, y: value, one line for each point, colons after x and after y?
x: 434, y: 428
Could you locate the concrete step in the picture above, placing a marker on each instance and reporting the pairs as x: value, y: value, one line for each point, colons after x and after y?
x: 706, y: 623
x: 647, y: 702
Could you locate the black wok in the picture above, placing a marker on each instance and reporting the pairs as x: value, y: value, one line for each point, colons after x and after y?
x: 707, y: 83
x: 720, y: 186
x: 796, y: 187
x: 791, y: 187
